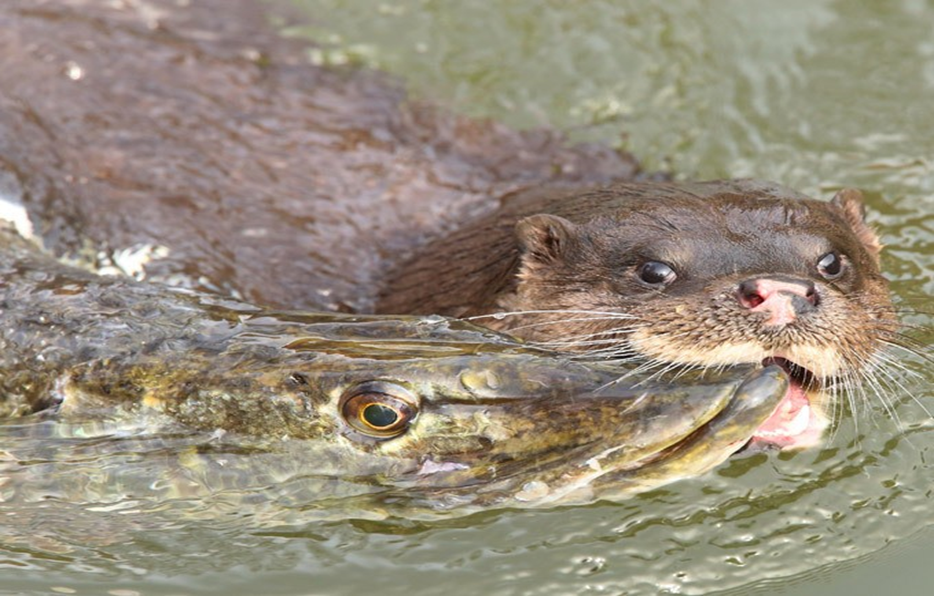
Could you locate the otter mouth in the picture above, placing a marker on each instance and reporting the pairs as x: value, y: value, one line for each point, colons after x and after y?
x: 797, y: 422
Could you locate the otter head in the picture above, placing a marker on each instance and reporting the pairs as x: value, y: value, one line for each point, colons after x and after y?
x: 707, y: 282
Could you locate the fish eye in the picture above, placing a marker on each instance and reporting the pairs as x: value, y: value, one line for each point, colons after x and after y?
x: 656, y: 273
x: 378, y: 409
x: 830, y: 266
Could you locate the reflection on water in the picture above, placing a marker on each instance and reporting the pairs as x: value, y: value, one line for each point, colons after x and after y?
x: 814, y: 95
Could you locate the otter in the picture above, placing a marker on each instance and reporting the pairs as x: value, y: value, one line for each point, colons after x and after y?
x: 670, y: 276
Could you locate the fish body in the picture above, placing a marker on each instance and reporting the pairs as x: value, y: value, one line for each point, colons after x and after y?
x: 437, y: 410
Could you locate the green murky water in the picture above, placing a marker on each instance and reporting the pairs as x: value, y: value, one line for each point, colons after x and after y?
x: 816, y: 95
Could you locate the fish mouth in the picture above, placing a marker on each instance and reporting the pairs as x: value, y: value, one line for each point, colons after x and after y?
x: 797, y: 421
x: 752, y: 403
x: 662, y: 434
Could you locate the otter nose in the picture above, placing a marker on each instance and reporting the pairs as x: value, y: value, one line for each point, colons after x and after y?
x: 783, y: 299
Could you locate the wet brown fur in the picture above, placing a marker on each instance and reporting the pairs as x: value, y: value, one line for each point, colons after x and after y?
x: 576, y: 254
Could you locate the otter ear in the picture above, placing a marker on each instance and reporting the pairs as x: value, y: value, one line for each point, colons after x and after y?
x: 850, y: 202
x: 543, y: 237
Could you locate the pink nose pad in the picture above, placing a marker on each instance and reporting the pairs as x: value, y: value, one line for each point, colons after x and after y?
x: 783, y: 299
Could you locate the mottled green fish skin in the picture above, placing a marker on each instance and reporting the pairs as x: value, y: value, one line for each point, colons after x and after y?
x: 496, y: 422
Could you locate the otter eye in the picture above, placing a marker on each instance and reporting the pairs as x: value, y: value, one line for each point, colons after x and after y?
x: 380, y: 410
x: 830, y: 266
x: 656, y: 273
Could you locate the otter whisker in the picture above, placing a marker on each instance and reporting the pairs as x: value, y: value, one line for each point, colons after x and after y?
x: 903, y: 345
x: 685, y: 369
x: 577, y: 343
x: 551, y: 322
x: 615, y: 357
x: 871, y: 379
x: 842, y: 388
x: 883, y: 363
x: 837, y: 386
x: 876, y: 375
x: 610, y: 334
x: 836, y: 409
x: 609, y: 337
x: 897, y: 383
x: 852, y: 388
x: 895, y: 363
x: 852, y: 384
x: 669, y: 367
x: 904, y: 310
x: 516, y: 313
x: 610, y: 349
x: 641, y: 369
x: 589, y: 349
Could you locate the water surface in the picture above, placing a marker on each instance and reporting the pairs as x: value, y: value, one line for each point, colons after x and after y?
x: 816, y: 95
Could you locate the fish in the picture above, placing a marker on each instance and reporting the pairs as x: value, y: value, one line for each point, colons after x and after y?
x: 428, y: 413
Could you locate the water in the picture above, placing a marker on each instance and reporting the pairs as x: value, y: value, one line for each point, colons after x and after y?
x: 816, y: 95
